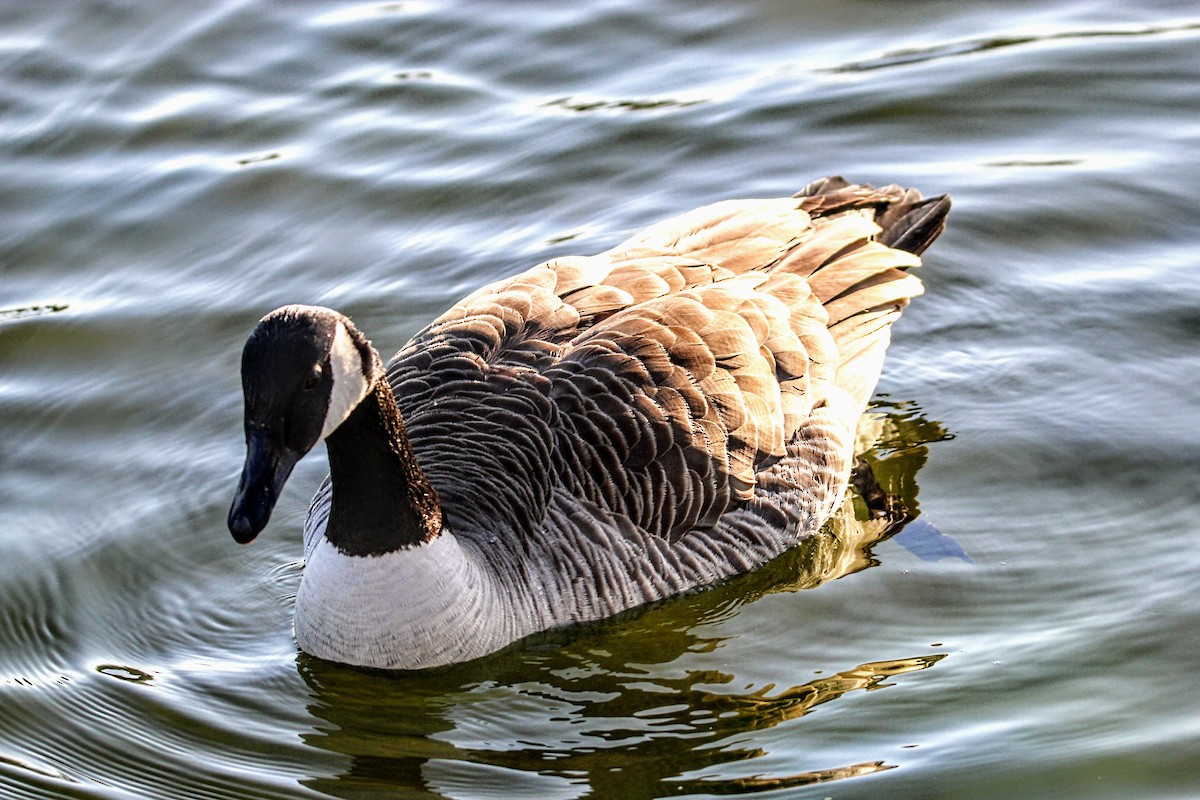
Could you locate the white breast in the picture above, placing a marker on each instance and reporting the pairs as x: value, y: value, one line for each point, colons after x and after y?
x: 410, y: 609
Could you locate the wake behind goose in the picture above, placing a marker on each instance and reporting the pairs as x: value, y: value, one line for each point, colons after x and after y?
x: 588, y: 436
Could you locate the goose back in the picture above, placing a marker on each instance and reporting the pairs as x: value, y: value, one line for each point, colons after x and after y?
x: 608, y: 430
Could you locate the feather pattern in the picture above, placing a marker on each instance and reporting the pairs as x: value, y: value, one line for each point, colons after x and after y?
x: 610, y: 430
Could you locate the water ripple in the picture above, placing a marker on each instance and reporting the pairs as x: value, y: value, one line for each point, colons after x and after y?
x: 9, y: 314
x: 582, y: 104
x: 944, y: 50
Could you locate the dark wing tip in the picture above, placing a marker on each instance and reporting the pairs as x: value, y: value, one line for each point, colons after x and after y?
x: 913, y: 227
x: 908, y: 221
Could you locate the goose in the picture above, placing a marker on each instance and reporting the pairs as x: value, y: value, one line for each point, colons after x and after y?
x: 588, y: 436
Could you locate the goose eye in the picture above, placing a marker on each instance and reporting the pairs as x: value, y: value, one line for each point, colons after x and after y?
x: 313, y: 379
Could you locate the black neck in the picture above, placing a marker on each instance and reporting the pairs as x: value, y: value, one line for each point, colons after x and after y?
x: 382, y: 501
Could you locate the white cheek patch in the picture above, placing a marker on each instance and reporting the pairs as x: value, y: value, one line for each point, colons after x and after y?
x: 349, y: 384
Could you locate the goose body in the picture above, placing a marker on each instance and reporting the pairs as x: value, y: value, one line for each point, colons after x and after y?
x: 588, y: 436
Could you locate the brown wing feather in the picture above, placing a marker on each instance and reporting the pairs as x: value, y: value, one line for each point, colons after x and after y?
x: 671, y: 378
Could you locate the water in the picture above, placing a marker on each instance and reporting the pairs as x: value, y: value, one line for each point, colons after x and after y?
x: 170, y: 172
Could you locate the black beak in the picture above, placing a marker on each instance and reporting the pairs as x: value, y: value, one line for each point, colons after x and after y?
x: 267, y: 468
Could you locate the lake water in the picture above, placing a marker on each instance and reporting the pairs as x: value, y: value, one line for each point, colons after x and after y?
x: 169, y: 172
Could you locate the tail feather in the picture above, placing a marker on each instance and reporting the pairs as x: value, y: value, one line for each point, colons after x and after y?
x: 865, y: 263
x: 864, y: 242
x: 862, y: 342
x: 914, y: 226
x: 908, y: 221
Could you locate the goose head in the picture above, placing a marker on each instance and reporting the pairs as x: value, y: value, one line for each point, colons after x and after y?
x: 304, y: 370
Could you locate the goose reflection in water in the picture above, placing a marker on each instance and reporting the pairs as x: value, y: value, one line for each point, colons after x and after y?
x: 602, y: 710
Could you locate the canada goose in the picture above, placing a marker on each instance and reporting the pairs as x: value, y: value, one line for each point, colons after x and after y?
x: 585, y: 437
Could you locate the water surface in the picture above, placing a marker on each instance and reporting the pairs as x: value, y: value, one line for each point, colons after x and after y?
x: 170, y: 172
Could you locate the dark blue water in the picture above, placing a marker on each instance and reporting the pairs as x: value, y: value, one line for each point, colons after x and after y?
x: 171, y: 172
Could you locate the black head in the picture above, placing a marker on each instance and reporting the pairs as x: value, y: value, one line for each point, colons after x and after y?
x: 304, y: 369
